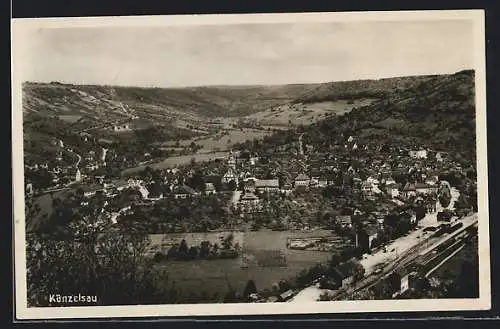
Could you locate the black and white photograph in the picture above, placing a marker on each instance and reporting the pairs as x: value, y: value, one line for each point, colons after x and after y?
x: 250, y: 164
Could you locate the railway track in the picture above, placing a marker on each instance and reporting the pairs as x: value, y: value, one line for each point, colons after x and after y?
x: 411, y: 256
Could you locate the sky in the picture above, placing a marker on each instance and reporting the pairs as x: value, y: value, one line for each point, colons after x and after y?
x: 247, y: 54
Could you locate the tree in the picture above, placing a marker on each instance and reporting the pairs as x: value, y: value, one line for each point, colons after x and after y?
x: 250, y: 288
x: 227, y: 243
x: 444, y: 200
x: 92, y: 263
x: 192, y: 253
x: 335, y: 260
x: 232, y: 185
x: 183, y: 249
x: 420, y: 213
x: 204, y: 249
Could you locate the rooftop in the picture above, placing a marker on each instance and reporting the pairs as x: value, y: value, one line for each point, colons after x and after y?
x: 302, y: 177
x: 267, y: 183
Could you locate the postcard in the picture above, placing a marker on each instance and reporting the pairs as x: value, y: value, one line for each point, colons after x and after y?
x: 250, y: 164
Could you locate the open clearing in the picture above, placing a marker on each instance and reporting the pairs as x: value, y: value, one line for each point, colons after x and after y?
x: 224, y: 142
x: 216, y: 276
x: 297, y: 114
x: 177, y: 161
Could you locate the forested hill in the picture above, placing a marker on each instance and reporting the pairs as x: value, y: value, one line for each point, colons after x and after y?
x: 359, y: 89
x: 439, y: 113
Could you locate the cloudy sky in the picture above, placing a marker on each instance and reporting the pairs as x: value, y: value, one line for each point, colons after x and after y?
x: 245, y: 54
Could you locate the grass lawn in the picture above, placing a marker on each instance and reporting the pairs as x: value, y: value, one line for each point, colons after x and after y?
x: 216, y: 276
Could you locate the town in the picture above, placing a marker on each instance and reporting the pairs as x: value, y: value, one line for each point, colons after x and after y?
x: 369, y: 196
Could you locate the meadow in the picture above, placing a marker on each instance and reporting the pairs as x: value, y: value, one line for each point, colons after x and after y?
x: 223, y: 142
x: 217, y: 276
x: 297, y: 114
x: 175, y: 161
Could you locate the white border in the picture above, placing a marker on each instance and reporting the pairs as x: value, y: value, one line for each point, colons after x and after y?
x: 21, y: 26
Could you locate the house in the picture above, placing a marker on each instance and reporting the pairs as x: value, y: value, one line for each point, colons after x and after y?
x: 389, y: 181
x: 350, y: 139
x: 249, y: 184
x: 314, y: 182
x: 372, y: 180
x: 432, y: 180
x: 344, y: 221
x: 287, y: 295
x: 393, y: 190
x: 123, y: 127
x: 407, y: 278
x: 302, y: 180
x: 287, y: 189
x: 366, y: 236
x: 267, y: 185
x: 92, y: 166
x: 229, y: 176
x: 254, y: 159
x: 249, y: 202
x: 418, y: 154
x: 231, y: 161
x: 380, y: 222
x: 322, y: 182
x: 182, y: 192
x: 29, y: 189
x: 89, y: 191
x: 409, y: 190
x: 210, y: 189
x: 134, y: 182
x: 424, y: 189
x: 85, y: 136
x: 346, y: 273
x: 368, y: 189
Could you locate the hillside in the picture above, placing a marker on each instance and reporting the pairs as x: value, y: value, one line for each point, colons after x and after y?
x: 159, y: 103
x: 360, y: 89
x: 438, y: 112
x: 166, y: 104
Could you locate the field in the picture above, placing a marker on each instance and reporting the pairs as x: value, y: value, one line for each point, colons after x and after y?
x: 224, y: 142
x: 177, y: 161
x: 215, y: 276
x: 162, y: 242
x: 296, y: 114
